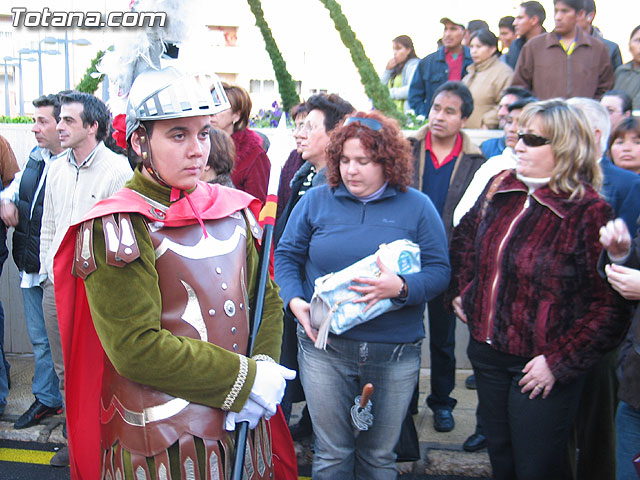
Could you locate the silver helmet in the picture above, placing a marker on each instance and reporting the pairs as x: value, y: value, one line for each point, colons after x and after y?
x: 166, y: 93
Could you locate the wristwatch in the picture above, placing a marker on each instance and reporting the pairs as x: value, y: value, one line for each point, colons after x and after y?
x: 402, y: 294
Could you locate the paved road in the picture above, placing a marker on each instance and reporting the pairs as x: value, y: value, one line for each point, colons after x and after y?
x: 30, y: 460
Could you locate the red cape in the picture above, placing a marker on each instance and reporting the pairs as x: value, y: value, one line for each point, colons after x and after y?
x: 83, y: 352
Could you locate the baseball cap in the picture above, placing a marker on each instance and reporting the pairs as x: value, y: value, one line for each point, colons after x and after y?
x: 446, y: 20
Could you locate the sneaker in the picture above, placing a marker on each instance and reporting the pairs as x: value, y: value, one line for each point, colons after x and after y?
x: 37, y: 411
x: 61, y: 458
x: 443, y: 420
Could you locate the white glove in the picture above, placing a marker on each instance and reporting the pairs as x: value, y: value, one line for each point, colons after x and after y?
x: 269, y: 384
x: 266, y: 393
x: 251, y: 412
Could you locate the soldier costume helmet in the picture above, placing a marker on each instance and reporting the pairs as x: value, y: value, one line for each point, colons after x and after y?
x: 166, y: 94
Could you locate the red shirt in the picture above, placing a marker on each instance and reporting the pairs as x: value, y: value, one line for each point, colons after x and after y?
x: 457, y: 148
x: 455, y: 65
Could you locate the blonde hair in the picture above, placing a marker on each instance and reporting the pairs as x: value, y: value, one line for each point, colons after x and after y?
x: 574, y: 147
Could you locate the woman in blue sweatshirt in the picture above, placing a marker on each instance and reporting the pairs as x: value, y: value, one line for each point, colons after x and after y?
x: 367, y: 203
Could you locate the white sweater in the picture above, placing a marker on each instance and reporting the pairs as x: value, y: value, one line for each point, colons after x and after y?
x: 490, y: 168
x: 70, y: 193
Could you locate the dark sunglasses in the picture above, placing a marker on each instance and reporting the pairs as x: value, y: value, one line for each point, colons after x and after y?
x: 372, y: 123
x: 533, y: 140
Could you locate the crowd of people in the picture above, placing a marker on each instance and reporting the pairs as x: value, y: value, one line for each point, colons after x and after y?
x: 140, y: 263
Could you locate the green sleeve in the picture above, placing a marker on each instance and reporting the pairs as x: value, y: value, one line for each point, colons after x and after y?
x: 126, y: 305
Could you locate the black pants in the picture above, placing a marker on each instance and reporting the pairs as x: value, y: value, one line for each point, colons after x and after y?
x: 442, y: 341
x: 595, y: 428
x: 527, y: 439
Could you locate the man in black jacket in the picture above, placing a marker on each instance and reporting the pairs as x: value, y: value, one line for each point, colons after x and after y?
x: 22, y: 203
x: 445, y: 162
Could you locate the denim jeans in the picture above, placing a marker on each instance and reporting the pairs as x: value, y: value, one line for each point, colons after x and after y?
x: 53, y: 330
x: 627, y: 440
x: 331, y: 380
x: 45, y: 381
x: 4, y: 365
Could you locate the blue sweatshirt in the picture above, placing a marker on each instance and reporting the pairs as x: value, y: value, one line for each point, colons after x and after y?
x: 330, y: 229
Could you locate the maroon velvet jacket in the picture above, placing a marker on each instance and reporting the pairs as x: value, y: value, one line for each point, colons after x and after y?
x: 526, y: 270
x: 251, y: 169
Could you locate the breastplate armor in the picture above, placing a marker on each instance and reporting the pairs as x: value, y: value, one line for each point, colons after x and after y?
x: 202, y: 280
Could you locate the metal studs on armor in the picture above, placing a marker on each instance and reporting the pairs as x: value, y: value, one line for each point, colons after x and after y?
x: 128, y: 251
x: 218, y: 270
x: 235, y: 346
x: 229, y: 308
x: 234, y: 330
x: 242, y: 306
x: 224, y: 286
x: 85, y: 264
x: 156, y: 212
x: 212, y: 312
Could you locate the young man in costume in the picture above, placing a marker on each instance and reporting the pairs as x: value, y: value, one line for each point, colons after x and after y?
x: 154, y: 323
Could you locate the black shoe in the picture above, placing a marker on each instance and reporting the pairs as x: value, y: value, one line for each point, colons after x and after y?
x: 61, y: 458
x: 474, y: 443
x: 37, y: 411
x: 443, y: 420
x: 470, y: 382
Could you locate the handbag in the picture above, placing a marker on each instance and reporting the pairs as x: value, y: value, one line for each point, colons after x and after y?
x: 332, y: 307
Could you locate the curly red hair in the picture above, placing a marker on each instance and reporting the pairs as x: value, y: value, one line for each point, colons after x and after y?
x: 388, y: 147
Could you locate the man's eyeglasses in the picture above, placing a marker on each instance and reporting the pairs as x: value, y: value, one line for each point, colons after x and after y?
x: 533, y: 140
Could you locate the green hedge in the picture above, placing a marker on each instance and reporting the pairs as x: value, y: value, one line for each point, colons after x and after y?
x: 286, y: 85
x: 5, y: 119
x: 88, y: 84
x: 374, y: 88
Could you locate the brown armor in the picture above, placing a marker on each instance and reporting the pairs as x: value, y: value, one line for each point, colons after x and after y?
x: 202, y: 280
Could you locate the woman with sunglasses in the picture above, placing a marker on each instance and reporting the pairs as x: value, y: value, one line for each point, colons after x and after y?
x: 366, y: 203
x: 525, y: 280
